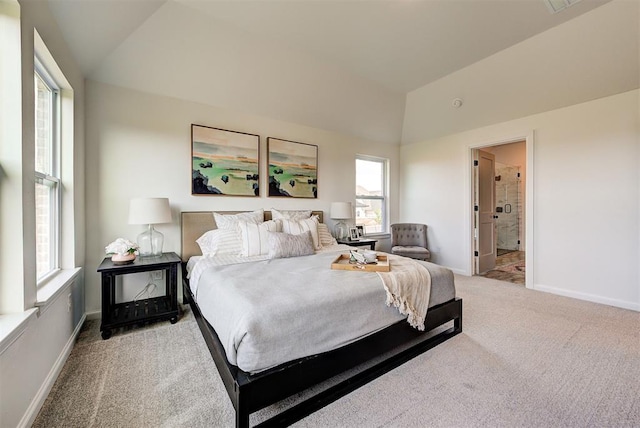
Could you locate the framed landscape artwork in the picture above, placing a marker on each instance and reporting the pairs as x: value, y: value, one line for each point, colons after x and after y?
x: 224, y: 162
x: 293, y: 168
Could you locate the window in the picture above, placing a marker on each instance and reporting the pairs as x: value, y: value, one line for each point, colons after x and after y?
x: 47, y: 173
x: 371, y: 194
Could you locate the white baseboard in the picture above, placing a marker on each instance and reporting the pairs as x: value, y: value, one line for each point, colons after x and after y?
x: 37, y: 402
x: 97, y: 315
x: 458, y: 271
x: 634, y: 306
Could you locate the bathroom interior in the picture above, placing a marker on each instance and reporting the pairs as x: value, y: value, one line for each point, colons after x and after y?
x: 510, y: 179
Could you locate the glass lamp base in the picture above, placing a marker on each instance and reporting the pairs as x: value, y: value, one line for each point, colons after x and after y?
x: 341, y: 230
x: 150, y: 243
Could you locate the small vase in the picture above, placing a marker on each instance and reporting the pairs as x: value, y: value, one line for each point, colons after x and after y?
x: 123, y: 259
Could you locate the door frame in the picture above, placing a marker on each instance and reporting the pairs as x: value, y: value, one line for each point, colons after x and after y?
x: 528, y: 138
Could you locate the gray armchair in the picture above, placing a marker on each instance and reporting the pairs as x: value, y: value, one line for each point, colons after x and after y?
x: 410, y: 240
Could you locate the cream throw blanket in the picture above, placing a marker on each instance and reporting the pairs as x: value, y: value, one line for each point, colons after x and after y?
x: 408, y: 287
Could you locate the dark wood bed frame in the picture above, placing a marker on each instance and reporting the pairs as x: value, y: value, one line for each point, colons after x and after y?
x: 250, y: 393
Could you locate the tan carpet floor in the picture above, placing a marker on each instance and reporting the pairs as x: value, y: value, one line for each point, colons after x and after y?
x: 524, y: 359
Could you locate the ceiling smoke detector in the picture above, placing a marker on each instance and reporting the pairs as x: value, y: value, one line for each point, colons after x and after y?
x: 457, y: 102
x: 556, y: 6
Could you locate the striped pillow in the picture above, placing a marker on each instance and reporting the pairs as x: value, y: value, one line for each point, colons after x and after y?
x: 282, y: 245
x: 255, y: 241
x: 290, y: 214
x: 230, y: 221
x: 296, y: 227
x: 326, y: 240
x: 220, y: 241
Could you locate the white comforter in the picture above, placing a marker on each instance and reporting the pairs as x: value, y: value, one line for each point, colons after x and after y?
x: 271, y: 311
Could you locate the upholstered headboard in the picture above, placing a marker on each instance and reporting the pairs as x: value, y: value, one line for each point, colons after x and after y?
x: 194, y: 223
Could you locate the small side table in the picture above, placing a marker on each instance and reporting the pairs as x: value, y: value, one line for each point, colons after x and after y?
x: 371, y: 243
x: 165, y: 307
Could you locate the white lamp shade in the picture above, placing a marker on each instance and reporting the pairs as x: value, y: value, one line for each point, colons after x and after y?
x: 341, y: 210
x: 149, y: 211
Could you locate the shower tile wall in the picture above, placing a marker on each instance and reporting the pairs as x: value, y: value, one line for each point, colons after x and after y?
x: 508, y: 201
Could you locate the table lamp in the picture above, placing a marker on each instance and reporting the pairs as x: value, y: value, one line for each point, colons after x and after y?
x: 341, y: 211
x: 150, y: 211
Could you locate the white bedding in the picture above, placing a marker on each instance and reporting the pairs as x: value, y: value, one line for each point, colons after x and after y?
x: 272, y: 311
x: 198, y: 264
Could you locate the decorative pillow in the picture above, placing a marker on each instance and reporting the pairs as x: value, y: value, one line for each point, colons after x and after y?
x: 220, y: 241
x: 230, y: 221
x: 290, y: 214
x: 296, y: 227
x: 254, y: 236
x: 326, y: 240
x: 282, y: 245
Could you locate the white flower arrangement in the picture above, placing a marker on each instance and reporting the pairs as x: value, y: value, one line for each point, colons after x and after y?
x: 122, y: 247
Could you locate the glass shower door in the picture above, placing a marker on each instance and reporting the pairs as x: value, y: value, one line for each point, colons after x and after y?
x: 507, y: 207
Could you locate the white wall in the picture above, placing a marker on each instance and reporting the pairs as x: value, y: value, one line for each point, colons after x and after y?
x: 139, y: 144
x: 12, y: 248
x: 30, y: 365
x: 586, y: 193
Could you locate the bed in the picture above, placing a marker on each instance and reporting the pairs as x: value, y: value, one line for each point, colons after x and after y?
x: 255, y: 387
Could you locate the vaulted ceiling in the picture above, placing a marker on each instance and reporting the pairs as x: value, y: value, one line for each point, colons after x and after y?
x: 401, y: 44
x: 381, y: 70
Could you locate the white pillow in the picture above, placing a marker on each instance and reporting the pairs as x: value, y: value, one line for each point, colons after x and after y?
x: 326, y: 240
x: 230, y: 221
x: 283, y: 245
x: 220, y: 241
x: 290, y: 214
x: 255, y: 240
x: 294, y: 227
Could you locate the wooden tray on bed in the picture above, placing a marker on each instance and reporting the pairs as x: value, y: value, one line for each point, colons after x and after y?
x: 342, y: 263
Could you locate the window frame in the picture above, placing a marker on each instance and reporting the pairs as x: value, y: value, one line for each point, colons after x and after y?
x: 53, y: 179
x: 384, y: 198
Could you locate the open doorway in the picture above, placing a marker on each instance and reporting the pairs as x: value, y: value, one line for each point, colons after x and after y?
x: 499, y: 211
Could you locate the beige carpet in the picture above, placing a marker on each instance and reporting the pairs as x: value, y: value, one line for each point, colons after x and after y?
x: 524, y: 359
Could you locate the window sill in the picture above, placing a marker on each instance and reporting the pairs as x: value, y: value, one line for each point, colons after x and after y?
x: 12, y: 326
x: 49, y: 290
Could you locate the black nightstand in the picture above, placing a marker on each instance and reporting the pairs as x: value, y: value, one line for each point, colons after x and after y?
x: 154, y: 309
x: 371, y: 243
